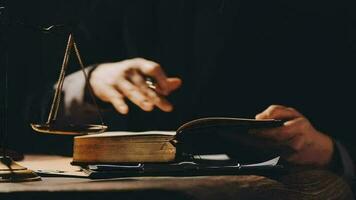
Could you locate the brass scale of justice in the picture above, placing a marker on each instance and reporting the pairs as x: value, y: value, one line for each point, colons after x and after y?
x: 11, y: 171
x: 50, y: 127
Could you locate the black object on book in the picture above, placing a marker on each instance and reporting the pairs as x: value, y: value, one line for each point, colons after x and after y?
x: 230, y: 136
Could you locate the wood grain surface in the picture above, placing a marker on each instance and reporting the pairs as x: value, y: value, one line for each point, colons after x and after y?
x: 303, y: 184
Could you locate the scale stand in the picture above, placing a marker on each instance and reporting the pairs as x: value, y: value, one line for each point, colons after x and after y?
x: 10, y: 171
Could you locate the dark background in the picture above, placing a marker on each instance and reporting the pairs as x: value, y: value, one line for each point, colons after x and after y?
x: 309, y: 44
x: 34, y: 58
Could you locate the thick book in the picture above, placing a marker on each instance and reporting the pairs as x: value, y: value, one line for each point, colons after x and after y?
x: 198, y: 137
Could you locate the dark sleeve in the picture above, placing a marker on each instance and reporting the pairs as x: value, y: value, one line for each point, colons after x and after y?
x: 78, y: 106
x: 342, y: 163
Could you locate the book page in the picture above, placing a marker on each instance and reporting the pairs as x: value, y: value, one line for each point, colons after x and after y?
x: 128, y: 133
x: 272, y: 162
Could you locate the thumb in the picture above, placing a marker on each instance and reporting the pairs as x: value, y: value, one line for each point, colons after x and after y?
x: 278, y: 112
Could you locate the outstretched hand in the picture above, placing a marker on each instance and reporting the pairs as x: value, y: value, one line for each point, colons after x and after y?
x: 113, y: 82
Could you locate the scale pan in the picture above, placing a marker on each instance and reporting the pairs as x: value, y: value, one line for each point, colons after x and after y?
x: 71, y: 129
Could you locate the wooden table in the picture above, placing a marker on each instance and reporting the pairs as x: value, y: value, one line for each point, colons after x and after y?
x: 307, y: 184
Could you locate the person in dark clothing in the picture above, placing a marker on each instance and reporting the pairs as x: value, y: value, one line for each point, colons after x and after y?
x: 233, y: 58
x: 256, y: 59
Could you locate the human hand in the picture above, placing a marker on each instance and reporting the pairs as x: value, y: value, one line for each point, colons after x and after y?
x: 309, y: 146
x: 113, y: 82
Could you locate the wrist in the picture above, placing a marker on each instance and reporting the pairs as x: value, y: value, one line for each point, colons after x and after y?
x: 324, y: 148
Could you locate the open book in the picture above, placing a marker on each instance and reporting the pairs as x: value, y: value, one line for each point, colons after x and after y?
x: 197, y: 137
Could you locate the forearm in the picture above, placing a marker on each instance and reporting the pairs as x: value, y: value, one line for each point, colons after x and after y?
x: 76, y: 107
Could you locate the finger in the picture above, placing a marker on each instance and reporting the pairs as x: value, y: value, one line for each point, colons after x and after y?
x: 295, y: 158
x: 120, y: 105
x: 296, y: 143
x: 284, y: 133
x: 174, y: 83
x: 134, y: 94
x: 159, y: 100
x: 155, y: 71
x: 299, y: 159
x: 110, y: 94
x: 278, y: 112
x: 151, y: 95
x: 279, y: 134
